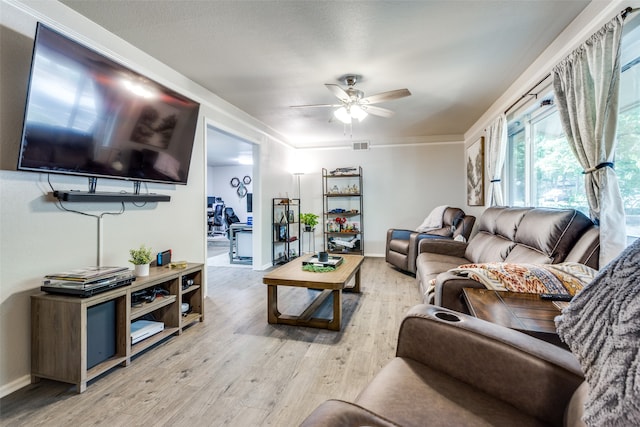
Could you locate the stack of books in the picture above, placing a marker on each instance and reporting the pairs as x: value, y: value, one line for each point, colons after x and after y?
x: 87, y: 281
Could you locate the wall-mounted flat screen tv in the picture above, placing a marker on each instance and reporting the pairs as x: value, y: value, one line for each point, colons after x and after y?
x: 91, y: 116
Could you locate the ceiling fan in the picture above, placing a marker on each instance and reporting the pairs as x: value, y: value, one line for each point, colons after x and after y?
x: 354, y: 105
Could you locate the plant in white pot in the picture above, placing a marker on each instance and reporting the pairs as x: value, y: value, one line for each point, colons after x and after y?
x: 140, y: 258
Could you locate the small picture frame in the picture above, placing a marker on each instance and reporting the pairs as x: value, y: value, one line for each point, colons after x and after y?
x: 281, y: 233
x: 475, y: 173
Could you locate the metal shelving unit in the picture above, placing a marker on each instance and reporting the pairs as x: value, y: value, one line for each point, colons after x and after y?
x: 286, y: 234
x: 342, y: 210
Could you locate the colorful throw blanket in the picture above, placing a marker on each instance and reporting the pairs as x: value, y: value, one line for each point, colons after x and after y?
x: 564, y: 278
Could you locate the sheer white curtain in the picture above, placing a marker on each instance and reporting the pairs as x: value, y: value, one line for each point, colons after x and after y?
x: 497, y: 140
x: 586, y: 85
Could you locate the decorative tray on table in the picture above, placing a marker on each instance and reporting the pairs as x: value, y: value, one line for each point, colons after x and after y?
x: 333, y: 261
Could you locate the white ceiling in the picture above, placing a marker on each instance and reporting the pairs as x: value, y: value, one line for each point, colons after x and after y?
x: 455, y: 56
x: 224, y: 149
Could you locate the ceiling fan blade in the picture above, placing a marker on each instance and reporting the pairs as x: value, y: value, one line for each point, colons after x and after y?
x: 338, y: 92
x: 315, y: 105
x: 378, y: 111
x: 385, y: 96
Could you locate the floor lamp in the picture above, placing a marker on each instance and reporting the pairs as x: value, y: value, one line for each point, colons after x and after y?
x: 297, y: 175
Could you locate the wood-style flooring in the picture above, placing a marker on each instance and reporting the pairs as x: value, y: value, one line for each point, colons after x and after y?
x: 235, y: 369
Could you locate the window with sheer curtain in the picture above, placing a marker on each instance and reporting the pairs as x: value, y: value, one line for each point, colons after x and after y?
x: 540, y: 168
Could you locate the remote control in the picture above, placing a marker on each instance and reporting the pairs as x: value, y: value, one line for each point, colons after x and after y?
x: 556, y: 297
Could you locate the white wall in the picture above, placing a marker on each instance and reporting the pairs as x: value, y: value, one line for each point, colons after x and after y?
x: 37, y: 238
x: 218, y: 184
x: 401, y: 184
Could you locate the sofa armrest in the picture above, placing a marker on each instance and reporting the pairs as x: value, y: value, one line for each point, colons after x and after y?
x: 340, y: 413
x: 414, y: 242
x: 397, y: 233
x: 532, y: 375
x: 448, y: 291
x: 443, y: 247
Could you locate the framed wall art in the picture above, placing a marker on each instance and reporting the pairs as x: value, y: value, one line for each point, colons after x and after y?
x: 475, y: 173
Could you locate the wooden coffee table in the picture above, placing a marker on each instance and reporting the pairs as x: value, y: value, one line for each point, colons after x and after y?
x: 331, y: 283
x: 523, y: 312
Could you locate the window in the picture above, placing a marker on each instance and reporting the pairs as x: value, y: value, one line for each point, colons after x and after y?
x: 628, y: 148
x: 541, y: 169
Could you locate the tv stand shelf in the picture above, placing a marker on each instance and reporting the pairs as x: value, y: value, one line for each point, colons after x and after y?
x: 59, y: 324
x: 105, y: 197
x: 148, y: 307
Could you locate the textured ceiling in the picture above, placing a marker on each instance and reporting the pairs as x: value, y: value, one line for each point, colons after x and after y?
x: 456, y: 57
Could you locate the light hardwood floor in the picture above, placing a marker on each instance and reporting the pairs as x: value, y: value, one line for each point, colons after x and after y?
x: 235, y: 369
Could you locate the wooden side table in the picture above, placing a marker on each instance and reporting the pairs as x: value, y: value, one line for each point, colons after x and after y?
x: 523, y: 312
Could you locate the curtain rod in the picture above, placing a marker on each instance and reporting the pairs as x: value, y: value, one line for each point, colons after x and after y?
x: 627, y: 11
x: 623, y: 13
x: 527, y: 93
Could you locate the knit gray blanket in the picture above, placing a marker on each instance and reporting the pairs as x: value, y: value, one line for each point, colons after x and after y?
x: 601, y: 326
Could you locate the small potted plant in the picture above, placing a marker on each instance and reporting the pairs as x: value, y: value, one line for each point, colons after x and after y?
x: 310, y: 220
x: 141, y: 258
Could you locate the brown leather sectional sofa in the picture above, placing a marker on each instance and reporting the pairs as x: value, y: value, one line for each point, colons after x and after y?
x: 402, y: 245
x: 505, y: 234
x: 451, y: 369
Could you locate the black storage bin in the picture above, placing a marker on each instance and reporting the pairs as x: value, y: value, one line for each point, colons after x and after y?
x: 101, y: 333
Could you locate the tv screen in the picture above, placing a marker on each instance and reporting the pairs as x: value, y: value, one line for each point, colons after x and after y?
x: 89, y: 115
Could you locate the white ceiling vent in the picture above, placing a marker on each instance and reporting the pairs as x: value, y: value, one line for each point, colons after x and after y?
x: 360, y: 145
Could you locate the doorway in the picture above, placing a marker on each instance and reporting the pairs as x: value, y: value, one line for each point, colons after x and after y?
x: 230, y: 195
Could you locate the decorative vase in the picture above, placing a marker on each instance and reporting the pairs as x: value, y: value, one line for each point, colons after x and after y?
x: 141, y: 270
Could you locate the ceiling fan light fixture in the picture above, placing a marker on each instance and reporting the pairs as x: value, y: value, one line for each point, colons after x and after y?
x: 358, y: 113
x: 343, y: 115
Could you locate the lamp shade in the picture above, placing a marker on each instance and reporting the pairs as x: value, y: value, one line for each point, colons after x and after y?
x: 358, y: 113
x: 343, y: 115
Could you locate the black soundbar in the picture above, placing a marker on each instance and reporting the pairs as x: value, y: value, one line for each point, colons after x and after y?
x: 85, y: 196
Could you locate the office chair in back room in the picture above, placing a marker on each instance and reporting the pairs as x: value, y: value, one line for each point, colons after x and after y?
x: 230, y: 216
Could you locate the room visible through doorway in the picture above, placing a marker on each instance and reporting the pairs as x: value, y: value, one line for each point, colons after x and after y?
x: 230, y: 195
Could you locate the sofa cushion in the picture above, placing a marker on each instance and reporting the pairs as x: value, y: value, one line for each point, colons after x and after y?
x: 508, y: 221
x: 522, y: 253
x: 429, y: 267
x: 551, y: 232
x: 486, y: 247
x: 497, y: 229
x: 587, y: 249
x: 444, y: 401
x: 434, y: 264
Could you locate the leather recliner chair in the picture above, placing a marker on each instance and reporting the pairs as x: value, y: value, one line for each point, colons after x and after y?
x: 451, y: 369
x: 402, y: 245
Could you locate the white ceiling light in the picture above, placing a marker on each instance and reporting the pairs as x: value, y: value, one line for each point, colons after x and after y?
x: 357, y: 112
x: 345, y: 114
x: 353, y: 103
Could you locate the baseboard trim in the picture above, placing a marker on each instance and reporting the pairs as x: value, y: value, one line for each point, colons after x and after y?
x: 15, y: 385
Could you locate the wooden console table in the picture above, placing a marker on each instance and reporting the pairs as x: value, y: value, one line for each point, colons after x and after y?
x: 523, y: 312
